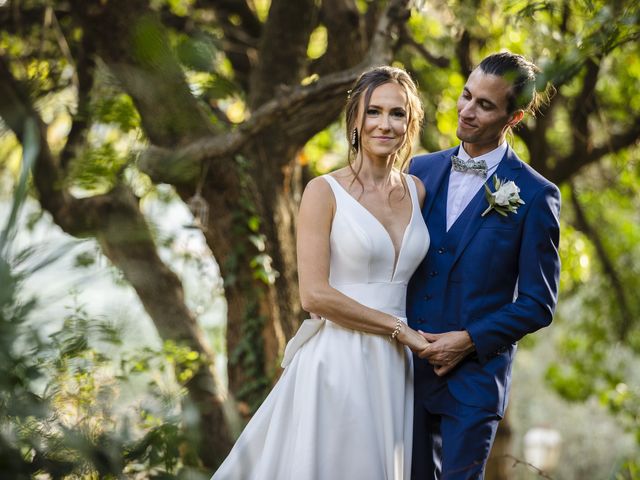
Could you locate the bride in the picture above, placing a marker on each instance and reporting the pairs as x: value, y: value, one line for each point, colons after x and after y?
x: 343, y: 407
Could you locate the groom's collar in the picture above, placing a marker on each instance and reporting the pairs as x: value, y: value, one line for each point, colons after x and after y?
x: 491, y: 158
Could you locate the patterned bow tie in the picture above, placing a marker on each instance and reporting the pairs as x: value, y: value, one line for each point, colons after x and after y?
x: 479, y: 167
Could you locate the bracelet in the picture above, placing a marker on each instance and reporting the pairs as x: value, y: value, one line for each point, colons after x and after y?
x: 396, y: 330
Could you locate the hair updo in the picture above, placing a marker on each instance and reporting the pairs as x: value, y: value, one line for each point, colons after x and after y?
x: 522, y: 75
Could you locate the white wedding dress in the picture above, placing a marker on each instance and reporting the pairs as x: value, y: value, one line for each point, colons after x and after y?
x: 343, y: 407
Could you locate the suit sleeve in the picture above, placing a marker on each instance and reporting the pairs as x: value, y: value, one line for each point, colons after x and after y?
x: 413, y: 166
x: 538, y: 278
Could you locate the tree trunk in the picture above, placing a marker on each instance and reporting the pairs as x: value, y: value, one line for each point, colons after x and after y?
x: 119, y: 226
x: 256, y: 237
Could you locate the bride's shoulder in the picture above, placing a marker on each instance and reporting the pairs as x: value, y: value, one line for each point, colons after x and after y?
x: 318, y: 203
x: 318, y: 190
x: 317, y: 185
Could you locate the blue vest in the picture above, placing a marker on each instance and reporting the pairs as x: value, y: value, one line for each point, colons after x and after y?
x: 427, y: 309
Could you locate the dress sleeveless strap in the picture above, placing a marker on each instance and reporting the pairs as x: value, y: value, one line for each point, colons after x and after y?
x: 335, y: 186
x: 413, y: 192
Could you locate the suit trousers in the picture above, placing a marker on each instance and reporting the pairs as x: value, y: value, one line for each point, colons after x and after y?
x: 451, y: 440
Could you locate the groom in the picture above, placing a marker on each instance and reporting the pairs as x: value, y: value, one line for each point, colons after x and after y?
x: 490, y: 276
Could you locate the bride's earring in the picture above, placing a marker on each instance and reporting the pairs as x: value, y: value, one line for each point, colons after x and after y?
x: 354, y: 139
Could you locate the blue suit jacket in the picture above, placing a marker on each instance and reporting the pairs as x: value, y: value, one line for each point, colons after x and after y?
x: 494, y: 276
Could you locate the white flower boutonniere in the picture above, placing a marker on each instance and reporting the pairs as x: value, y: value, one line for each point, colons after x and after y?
x: 505, y: 199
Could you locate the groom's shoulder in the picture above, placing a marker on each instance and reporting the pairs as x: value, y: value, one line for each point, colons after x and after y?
x: 536, y: 178
x: 427, y: 160
x: 532, y: 176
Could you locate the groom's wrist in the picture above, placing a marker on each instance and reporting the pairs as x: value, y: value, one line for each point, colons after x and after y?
x: 471, y: 346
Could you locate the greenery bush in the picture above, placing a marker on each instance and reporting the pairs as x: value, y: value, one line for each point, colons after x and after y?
x: 76, y: 403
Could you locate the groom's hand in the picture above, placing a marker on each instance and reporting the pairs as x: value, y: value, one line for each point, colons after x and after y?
x: 446, y: 350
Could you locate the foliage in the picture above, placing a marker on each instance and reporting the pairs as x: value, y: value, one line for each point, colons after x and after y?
x: 75, y: 404
x: 596, y: 347
x: 630, y: 470
x: 246, y: 352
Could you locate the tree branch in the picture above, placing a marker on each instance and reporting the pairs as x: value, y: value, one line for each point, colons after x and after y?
x: 294, y: 104
x: 536, y: 138
x: 517, y: 461
x: 249, y: 22
x: 84, y: 69
x: 395, y: 15
x: 583, y: 105
x: 407, y: 39
x: 137, y: 50
x: 617, y: 142
x: 567, y: 166
x: 608, y: 267
x: 183, y: 165
x: 283, y: 48
x: 16, y: 110
x: 240, y: 37
x: 19, y: 21
x: 463, y: 53
x: 313, y: 116
x: 346, y: 36
x: 375, y: 10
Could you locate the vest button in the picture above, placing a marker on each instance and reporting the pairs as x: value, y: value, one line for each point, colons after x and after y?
x: 441, y: 250
x: 428, y: 297
x: 433, y: 273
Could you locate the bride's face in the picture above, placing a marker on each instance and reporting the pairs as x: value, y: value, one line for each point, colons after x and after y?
x: 385, y: 121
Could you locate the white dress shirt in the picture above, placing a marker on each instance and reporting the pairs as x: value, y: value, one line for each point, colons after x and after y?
x: 464, y: 185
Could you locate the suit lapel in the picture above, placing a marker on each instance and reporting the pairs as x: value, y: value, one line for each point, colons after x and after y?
x: 508, y: 169
x: 435, y: 178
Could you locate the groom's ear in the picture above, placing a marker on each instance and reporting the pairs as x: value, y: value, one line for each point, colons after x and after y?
x: 515, y: 118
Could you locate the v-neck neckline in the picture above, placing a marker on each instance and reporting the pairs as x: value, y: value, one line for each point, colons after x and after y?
x: 396, y: 253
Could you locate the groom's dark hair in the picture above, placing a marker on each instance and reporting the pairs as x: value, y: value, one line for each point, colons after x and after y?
x: 521, y: 74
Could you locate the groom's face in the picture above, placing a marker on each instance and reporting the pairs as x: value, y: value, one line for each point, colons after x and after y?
x: 483, y: 119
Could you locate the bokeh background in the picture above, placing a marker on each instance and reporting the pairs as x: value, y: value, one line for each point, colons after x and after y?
x: 152, y: 158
